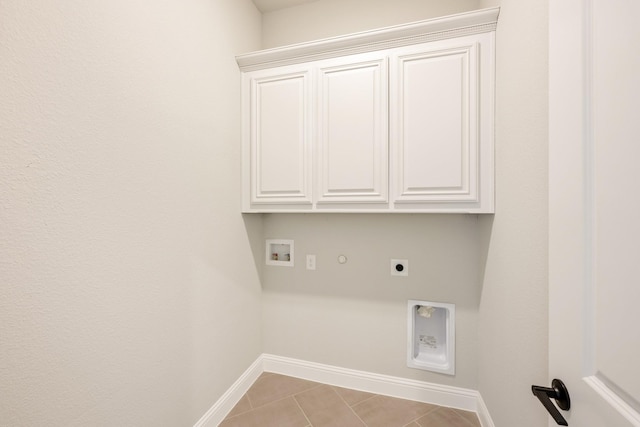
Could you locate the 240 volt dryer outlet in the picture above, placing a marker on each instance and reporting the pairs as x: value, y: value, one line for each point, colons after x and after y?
x: 399, y: 267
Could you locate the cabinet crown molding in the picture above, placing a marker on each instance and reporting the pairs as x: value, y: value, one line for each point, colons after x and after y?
x: 468, y: 23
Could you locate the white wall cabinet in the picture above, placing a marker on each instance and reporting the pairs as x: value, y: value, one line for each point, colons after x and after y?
x: 280, y: 137
x: 395, y: 120
x: 352, y: 133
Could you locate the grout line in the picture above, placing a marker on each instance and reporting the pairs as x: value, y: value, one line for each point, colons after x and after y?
x: 434, y: 409
x: 261, y: 376
x: 267, y: 404
x: 249, y: 399
x: 253, y: 405
x: 310, y: 388
x: 364, y: 400
x: 351, y: 407
x: 302, y: 410
x: 318, y: 385
x: 464, y: 420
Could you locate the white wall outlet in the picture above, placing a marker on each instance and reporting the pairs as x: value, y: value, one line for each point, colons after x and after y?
x: 399, y: 267
x: 311, y: 262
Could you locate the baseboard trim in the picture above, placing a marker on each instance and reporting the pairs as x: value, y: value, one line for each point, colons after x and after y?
x: 218, y: 412
x: 421, y: 391
x: 453, y: 397
x: 483, y: 413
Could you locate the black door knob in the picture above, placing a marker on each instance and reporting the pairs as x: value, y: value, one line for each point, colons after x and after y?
x: 558, y: 391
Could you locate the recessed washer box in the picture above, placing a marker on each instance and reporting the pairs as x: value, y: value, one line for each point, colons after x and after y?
x: 431, y: 336
x: 279, y: 252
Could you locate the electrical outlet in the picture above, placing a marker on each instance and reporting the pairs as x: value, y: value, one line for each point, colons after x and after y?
x: 311, y: 262
x: 399, y: 267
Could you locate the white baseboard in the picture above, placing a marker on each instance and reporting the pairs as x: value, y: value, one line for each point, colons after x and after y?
x: 217, y: 413
x: 421, y: 391
x: 483, y: 413
x: 453, y: 397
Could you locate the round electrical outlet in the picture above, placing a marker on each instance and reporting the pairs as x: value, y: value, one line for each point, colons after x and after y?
x: 399, y: 267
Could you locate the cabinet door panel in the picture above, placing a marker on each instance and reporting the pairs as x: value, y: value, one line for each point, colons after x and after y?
x: 436, y: 126
x: 352, y: 132
x: 280, y: 139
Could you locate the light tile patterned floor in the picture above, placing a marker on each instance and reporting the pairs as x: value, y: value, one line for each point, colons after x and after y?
x: 279, y: 401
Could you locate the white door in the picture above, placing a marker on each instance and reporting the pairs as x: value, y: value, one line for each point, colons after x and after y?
x: 594, y: 209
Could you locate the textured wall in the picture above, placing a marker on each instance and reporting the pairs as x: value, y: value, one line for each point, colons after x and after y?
x: 126, y: 294
x: 513, y: 311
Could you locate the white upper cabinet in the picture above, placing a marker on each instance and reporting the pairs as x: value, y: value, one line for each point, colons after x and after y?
x: 442, y: 99
x: 395, y: 120
x: 279, y: 137
x: 351, y: 156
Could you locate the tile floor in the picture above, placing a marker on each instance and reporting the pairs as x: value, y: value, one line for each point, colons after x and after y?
x: 279, y: 401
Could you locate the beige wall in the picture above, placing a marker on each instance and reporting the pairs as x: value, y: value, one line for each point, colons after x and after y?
x: 513, y: 310
x: 329, y: 18
x: 126, y: 297
x: 355, y: 315
x: 496, y: 269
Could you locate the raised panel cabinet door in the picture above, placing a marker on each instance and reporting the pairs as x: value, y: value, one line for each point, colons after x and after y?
x: 280, y: 137
x: 352, y: 152
x: 393, y: 120
x: 436, y: 133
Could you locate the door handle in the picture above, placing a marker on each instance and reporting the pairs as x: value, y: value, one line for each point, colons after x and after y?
x: 557, y: 391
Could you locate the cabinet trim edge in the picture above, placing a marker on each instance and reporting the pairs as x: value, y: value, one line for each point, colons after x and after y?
x: 462, y: 24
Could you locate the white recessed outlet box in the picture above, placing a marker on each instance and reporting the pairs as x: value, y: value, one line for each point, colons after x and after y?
x: 399, y: 267
x: 279, y: 252
x: 431, y: 336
